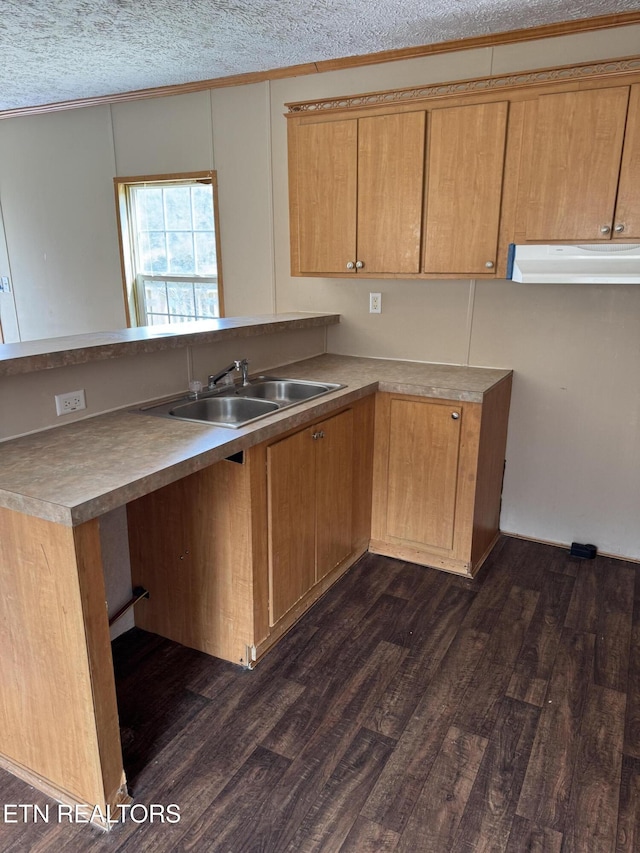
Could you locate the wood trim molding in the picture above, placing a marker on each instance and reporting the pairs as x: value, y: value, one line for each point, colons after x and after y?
x: 567, y: 73
x: 563, y: 28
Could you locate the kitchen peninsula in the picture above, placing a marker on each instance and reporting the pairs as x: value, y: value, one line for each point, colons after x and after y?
x: 60, y: 718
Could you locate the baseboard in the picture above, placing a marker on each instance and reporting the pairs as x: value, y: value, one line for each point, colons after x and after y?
x: 566, y: 546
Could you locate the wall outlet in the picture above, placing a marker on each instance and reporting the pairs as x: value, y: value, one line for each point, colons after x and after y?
x: 5, y: 285
x: 375, y: 303
x: 73, y: 401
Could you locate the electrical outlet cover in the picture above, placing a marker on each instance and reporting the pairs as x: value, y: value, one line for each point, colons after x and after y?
x: 72, y: 401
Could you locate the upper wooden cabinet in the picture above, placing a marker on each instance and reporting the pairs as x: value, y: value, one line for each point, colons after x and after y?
x: 324, y: 164
x: 356, y: 194
x: 626, y: 225
x: 438, y: 180
x: 464, y: 188
x: 390, y: 181
x: 582, y: 166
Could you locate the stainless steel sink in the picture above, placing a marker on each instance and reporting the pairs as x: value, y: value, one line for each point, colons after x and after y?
x: 238, y: 405
x: 284, y: 392
x: 225, y: 411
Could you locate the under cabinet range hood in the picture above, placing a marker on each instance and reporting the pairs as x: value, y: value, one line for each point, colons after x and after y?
x: 604, y: 263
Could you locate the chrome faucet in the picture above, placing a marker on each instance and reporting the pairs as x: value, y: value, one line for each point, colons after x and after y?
x: 242, y: 365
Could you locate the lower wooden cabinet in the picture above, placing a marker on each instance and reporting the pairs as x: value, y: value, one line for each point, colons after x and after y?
x: 438, y: 468
x: 199, y: 546
x: 233, y: 554
x: 310, y: 496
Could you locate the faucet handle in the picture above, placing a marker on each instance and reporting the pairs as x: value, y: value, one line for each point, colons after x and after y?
x: 242, y: 365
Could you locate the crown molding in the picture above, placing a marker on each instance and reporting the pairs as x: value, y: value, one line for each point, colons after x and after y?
x: 566, y: 73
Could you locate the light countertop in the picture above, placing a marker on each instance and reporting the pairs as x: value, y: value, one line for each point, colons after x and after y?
x: 48, y: 353
x: 73, y: 473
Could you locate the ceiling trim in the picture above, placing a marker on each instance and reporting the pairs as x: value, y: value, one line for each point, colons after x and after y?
x: 595, y: 70
x: 514, y: 36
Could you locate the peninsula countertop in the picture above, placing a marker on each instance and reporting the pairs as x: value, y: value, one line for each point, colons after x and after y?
x: 73, y: 473
x: 29, y: 356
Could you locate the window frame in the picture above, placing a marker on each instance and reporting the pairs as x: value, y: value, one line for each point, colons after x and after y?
x: 126, y: 236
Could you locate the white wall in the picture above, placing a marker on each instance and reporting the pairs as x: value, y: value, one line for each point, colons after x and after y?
x: 573, y: 453
x: 8, y: 316
x: 242, y: 143
x: 56, y: 174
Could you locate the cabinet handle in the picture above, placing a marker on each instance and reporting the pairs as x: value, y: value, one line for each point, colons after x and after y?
x: 489, y: 265
x: 359, y: 265
x: 455, y: 415
x: 619, y: 228
x: 350, y: 265
x: 316, y: 435
x: 605, y: 229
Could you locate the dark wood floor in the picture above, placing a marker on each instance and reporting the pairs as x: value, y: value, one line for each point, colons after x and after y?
x: 409, y: 711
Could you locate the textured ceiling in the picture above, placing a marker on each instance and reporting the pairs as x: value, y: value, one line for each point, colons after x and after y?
x: 59, y: 50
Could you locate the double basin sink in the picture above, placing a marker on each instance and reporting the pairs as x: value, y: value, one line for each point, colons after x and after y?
x: 237, y: 405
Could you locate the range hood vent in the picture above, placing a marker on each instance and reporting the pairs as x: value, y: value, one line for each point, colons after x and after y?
x: 605, y: 263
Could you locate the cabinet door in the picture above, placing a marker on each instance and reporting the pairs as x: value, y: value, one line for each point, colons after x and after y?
x: 627, y: 219
x: 291, y: 511
x: 464, y: 188
x: 390, y: 186
x: 424, y: 446
x: 326, y: 174
x: 575, y: 164
x: 334, y: 490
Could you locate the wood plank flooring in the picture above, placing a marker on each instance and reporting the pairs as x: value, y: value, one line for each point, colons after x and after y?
x: 410, y: 711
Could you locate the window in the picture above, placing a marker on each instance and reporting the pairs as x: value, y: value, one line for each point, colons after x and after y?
x: 170, y: 248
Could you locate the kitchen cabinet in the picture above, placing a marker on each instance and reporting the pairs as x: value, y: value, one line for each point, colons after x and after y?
x: 548, y: 156
x: 438, y: 468
x: 199, y: 546
x: 464, y: 188
x: 581, y: 166
x: 357, y: 200
x: 233, y: 554
x: 310, y: 494
x: 356, y: 189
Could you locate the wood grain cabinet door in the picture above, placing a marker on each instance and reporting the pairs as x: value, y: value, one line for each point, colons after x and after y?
x: 356, y: 190
x: 464, y: 188
x: 575, y: 163
x: 334, y: 492
x: 291, y: 472
x: 424, y: 447
x: 310, y: 504
x: 390, y: 189
x: 626, y: 223
x: 325, y: 166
